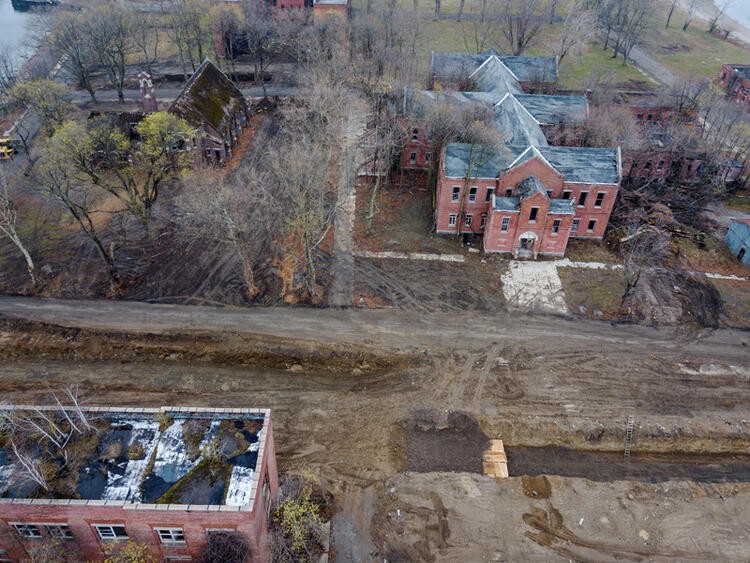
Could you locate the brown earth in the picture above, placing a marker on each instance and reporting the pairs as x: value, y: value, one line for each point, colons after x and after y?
x: 348, y: 388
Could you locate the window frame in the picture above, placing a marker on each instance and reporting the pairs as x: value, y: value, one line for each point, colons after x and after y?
x: 508, y: 192
x: 488, y: 195
x: 533, y: 214
x: 456, y: 194
x: 114, y: 537
x: 170, y: 536
x: 483, y: 222
x: 556, y: 226
x: 591, y: 226
x: 575, y: 225
x: 505, y: 224
x: 22, y: 529
x: 428, y: 157
x: 413, y: 157
x: 582, y: 197
x: 473, y: 194
x: 567, y: 194
x: 468, y: 219
x: 599, y: 199
x: 62, y: 531
x: 415, y: 134
x: 452, y: 219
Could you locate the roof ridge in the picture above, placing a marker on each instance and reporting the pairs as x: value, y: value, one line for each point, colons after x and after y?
x: 190, y: 81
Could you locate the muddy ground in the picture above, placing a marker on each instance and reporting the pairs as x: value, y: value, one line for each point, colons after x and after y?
x: 376, y: 403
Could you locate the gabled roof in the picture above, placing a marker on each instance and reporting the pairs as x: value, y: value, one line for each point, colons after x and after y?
x: 532, y: 69
x: 208, y: 97
x: 551, y: 110
x: 585, y: 165
x: 464, y: 160
x: 516, y: 124
x: 493, y: 76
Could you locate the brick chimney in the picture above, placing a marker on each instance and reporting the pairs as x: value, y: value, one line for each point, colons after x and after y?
x: 148, y: 93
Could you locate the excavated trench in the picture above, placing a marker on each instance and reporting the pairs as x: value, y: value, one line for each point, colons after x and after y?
x: 612, y: 466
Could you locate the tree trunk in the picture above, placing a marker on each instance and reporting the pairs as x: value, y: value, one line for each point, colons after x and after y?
x: 669, y: 14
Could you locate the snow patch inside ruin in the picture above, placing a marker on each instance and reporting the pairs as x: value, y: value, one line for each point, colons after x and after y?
x: 126, y: 483
x: 240, y: 486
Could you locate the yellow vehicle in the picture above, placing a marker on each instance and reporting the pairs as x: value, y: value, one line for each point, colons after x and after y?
x: 7, y: 150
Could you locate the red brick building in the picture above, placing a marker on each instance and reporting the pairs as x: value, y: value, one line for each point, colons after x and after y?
x: 735, y: 81
x: 527, y: 201
x: 521, y: 196
x: 160, y: 496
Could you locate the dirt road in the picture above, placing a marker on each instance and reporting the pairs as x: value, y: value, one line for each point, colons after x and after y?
x: 345, y: 403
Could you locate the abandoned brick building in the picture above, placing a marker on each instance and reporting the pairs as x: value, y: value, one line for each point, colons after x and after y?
x: 520, y: 195
x: 212, y: 104
x: 168, y: 478
x: 735, y: 81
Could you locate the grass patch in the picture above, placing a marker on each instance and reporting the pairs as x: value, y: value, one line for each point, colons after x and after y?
x: 582, y: 250
x: 593, y: 293
x: 403, y: 221
x: 715, y: 257
x: 736, y: 297
x: 694, y: 52
x: 740, y: 202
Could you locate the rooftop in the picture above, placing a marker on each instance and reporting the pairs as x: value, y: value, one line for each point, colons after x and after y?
x: 524, y: 69
x: 577, y: 164
x: 172, y: 455
x: 550, y: 110
x: 209, y: 97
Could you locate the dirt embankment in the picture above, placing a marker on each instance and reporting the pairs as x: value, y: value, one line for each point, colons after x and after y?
x: 25, y: 340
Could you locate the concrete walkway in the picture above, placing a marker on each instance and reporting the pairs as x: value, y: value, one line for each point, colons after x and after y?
x: 342, y: 292
x: 410, y: 256
x: 534, y: 286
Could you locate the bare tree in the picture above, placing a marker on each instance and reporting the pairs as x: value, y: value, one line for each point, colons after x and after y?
x: 264, y: 36
x: 110, y: 30
x: 8, y: 217
x: 228, y: 547
x: 189, y: 31
x: 719, y: 9
x: 483, y: 29
x: 72, y: 43
x: 8, y: 73
x: 521, y: 21
x: 145, y: 33
x: 577, y: 30
x: 64, y: 184
x: 690, y: 12
x: 669, y: 13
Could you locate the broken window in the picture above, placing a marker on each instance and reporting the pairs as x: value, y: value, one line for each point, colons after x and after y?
x: 567, y: 194
x: 413, y: 158
x: 473, y: 194
x: 582, y: 199
x: 467, y: 220
x: 556, y: 226
x: 599, y: 199
x: 61, y: 531
x: 29, y: 531
x: 592, y: 224
x: 532, y: 214
x: 415, y: 134
x: 505, y: 224
x: 509, y: 192
x: 456, y: 193
x: 484, y: 221
x: 170, y: 535
x: 111, y: 531
x: 490, y: 191
x: 574, y: 226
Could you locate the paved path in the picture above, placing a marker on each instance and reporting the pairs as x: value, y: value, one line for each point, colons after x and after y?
x: 534, y: 286
x: 342, y: 292
x: 410, y: 256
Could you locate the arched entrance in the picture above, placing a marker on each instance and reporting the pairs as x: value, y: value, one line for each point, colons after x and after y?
x: 526, y: 245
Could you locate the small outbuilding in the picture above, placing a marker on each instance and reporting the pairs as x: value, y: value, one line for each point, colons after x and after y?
x: 738, y: 240
x: 214, y: 105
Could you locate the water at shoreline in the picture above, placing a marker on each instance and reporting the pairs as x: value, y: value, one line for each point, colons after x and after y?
x: 13, y: 28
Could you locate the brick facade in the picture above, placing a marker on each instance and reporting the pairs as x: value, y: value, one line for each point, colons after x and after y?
x: 735, y: 81
x: 141, y: 521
